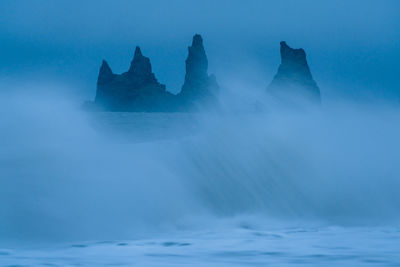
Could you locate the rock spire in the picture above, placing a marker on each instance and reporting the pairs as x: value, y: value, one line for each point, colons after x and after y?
x: 293, y: 79
x: 199, y: 88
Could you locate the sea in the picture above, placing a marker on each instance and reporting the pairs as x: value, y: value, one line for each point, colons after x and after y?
x: 279, y: 188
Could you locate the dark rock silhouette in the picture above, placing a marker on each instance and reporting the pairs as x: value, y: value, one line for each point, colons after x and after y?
x: 138, y: 90
x: 294, y: 81
x: 135, y: 90
x: 199, y: 89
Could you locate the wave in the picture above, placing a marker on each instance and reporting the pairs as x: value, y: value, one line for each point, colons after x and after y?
x: 64, y: 175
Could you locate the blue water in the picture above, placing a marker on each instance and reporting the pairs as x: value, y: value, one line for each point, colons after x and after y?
x: 328, y: 246
x: 250, y: 188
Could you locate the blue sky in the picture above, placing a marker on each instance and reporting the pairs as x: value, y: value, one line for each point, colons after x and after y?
x: 353, y: 46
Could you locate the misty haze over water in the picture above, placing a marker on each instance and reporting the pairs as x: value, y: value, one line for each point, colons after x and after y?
x: 250, y: 183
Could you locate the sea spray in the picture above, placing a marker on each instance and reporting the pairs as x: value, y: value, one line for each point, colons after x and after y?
x: 64, y: 178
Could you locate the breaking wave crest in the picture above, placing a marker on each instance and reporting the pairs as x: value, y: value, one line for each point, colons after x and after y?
x: 62, y: 177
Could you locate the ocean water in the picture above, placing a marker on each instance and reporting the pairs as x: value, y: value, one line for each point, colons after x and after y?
x: 321, y: 246
x: 304, y: 187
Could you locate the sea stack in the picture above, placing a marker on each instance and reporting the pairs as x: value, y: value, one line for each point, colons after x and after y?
x: 293, y: 81
x: 199, y: 88
x: 135, y: 90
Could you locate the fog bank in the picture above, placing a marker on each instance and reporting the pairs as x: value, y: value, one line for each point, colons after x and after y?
x: 68, y: 175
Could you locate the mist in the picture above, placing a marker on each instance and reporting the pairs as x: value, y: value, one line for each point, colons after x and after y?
x: 253, y: 180
x: 72, y: 175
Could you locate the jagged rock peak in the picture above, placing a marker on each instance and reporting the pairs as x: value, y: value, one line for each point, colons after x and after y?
x: 291, y: 55
x: 197, y: 40
x: 134, y: 90
x: 196, y: 62
x: 138, y: 52
x: 105, y: 73
x: 199, y: 89
x: 105, y: 68
x: 294, y: 78
x: 140, y: 65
